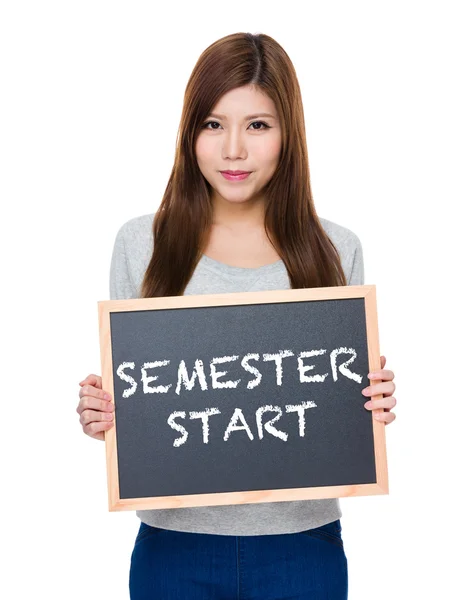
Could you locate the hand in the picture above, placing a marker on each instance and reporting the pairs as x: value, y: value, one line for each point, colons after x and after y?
x: 95, y: 407
x: 384, y: 386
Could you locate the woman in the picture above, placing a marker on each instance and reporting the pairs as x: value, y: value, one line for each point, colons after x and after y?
x: 237, y: 215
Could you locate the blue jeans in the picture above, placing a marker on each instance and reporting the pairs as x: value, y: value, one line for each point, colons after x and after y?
x: 172, y: 565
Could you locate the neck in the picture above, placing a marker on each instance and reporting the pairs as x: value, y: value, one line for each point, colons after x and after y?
x: 238, y: 214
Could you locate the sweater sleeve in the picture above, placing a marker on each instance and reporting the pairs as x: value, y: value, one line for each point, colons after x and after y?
x: 357, y: 274
x: 120, y: 281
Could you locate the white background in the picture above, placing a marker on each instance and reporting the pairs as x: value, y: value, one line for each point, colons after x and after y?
x: 91, y: 96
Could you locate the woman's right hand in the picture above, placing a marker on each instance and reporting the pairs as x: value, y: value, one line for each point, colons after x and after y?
x: 95, y: 407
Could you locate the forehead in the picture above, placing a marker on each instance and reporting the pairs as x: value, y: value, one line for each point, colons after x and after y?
x: 244, y: 102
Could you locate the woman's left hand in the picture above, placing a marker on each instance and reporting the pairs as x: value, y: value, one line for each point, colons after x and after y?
x: 381, y: 383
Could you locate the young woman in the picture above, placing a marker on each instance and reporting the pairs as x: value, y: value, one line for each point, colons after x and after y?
x: 237, y: 215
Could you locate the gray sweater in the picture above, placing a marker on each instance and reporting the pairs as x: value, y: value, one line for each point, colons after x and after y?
x: 132, y: 252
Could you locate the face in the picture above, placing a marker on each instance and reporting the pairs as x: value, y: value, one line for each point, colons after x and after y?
x: 231, y: 141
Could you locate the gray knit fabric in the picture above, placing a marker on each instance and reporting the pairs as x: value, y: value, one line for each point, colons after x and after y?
x: 132, y: 252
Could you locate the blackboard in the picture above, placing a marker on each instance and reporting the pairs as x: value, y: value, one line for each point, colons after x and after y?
x: 243, y: 397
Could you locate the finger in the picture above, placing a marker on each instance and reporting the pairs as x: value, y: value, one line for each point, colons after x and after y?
x: 387, y: 402
x: 89, y: 416
x: 91, y: 402
x: 383, y: 374
x: 92, y: 380
x: 385, y: 387
x: 90, y: 390
x: 384, y: 417
x: 93, y: 429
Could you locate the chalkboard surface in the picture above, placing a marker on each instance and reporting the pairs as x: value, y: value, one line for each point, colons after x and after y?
x: 241, y: 397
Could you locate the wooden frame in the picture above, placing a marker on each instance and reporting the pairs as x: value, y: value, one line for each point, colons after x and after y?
x: 368, y: 292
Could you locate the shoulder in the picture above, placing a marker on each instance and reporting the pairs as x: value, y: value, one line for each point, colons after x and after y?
x: 136, y: 228
x: 133, y: 248
x: 345, y: 240
x: 349, y: 248
x: 135, y: 237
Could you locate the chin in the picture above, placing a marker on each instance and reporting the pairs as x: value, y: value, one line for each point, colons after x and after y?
x: 235, y: 199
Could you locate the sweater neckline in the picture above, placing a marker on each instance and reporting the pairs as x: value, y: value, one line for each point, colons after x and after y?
x: 223, y: 267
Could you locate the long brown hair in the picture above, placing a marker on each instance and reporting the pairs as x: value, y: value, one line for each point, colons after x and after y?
x: 182, y: 224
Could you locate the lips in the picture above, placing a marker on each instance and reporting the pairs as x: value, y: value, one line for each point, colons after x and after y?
x: 235, y: 172
x: 235, y: 175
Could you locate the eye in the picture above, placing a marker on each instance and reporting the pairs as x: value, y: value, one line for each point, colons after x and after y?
x: 265, y: 126
x: 205, y: 125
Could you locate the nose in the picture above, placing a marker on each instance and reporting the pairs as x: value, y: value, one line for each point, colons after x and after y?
x: 233, y: 145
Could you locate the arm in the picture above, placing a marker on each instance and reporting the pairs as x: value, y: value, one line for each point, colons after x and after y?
x: 120, y: 280
x: 357, y: 274
x: 381, y: 382
x: 95, y: 406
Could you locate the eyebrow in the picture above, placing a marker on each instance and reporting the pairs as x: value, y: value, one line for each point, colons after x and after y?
x: 216, y: 116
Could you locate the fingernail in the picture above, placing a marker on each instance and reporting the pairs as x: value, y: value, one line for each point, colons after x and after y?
x: 108, y: 416
x: 367, y: 404
x: 372, y: 375
x: 377, y: 416
x: 106, y: 396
